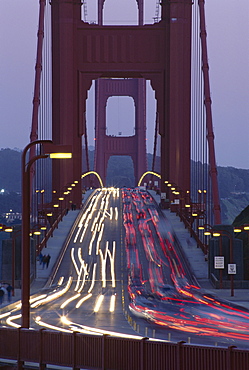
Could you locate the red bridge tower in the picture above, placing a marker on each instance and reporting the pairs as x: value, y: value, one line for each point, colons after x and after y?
x: 160, y: 53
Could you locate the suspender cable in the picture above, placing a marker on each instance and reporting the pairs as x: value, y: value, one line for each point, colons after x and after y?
x: 38, y: 70
x: 209, y: 122
x: 36, y: 98
x: 155, y: 144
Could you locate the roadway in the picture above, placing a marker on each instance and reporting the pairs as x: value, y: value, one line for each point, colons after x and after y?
x: 131, y: 280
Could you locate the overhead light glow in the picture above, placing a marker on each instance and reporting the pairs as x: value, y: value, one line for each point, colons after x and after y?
x: 60, y: 155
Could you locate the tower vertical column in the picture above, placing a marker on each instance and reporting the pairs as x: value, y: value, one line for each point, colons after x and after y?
x: 65, y: 120
x: 175, y: 129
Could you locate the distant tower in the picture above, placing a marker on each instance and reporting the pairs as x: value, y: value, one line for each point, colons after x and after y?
x: 134, y: 146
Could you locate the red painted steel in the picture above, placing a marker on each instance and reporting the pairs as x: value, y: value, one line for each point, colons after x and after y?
x: 134, y: 146
x: 75, y: 350
x: 106, y: 145
x: 84, y: 52
x: 36, y: 98
x: 209, y: 120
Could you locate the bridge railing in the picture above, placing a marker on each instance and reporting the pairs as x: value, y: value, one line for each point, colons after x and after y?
x: 76, y: 350
x: 49, y: 233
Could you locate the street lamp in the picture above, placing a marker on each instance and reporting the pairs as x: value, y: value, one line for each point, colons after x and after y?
x: 48, y: 148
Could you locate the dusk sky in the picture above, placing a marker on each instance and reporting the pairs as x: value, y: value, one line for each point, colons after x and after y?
x: 228, y: 51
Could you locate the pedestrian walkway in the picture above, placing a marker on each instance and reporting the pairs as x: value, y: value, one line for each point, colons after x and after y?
x: 53, y: 249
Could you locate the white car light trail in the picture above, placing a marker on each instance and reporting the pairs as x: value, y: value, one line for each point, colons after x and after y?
x: 83, y: 280
x: 92, y: 239
x: 77, y: 234
x: 3, y: 315
x: 10, y: 323
x: 44, y: 324
x: 116, y: 213
x: 93, y: 278
x: 98, y: 303
x: 112, y: 303
x: 61, y: 279
x: 112, y: 260
x: 64, y: 304
x: 99, y: 238
x: 74, y: 262
x: 82, y: 300
x: 51, y: 297
x: 103, y: 264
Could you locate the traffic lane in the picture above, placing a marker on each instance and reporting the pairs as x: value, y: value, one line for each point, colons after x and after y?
x: 186, y: 317
x: 87, y: 309
x: 93, y: 266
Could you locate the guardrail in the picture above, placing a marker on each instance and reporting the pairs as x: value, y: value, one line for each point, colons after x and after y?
x: 50, y: 231
x: 77, y: 351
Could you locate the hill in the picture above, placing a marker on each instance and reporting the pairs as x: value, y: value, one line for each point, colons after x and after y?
x: 233, y: 182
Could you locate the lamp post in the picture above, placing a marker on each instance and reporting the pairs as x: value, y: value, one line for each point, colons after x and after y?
x: 25, y: 277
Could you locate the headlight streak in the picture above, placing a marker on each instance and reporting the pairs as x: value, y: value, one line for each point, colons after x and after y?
x: 3, y: 315
x: 78, y: 278
x: 92, y: 239
x: 99, y: 238
x: 112, y: 303
x: 82, y: 300
x: 10, y: 319
x: 31, y: 300
x: 95, y: 221
x: 56, y: 295
x: 74, y: 262
x: 64, y: 304
x: 93, y: 331
x: 84, y: 278
x: 102, y: 220
x: 77, y: 234
x: 98, y: 303
x: 88, y: 329
x: 112, y: 262
x: 93, y: 278
x: 80, y: 225
x: 116, y: 213
x: 87, y: 216
x: 83, y: 233
x: 38, y: 321
x: 61, y: 279
x: 83, y: 267
x: 103, y: 265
